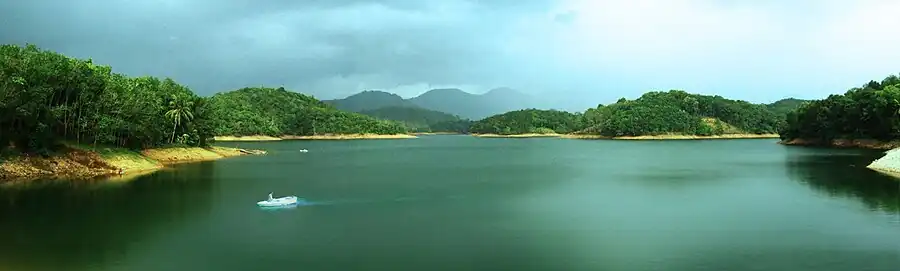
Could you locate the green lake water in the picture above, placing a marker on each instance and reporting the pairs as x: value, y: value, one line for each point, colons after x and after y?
x: 465, y: 203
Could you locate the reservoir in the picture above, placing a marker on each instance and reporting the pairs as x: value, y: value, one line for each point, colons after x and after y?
x: 466, y: 203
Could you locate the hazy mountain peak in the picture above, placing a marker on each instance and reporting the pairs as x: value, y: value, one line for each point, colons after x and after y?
x: 445, y: 91
x: 374, y: 93
x: 504, y: 91
x: 449, y: 100
x: 368, y: 100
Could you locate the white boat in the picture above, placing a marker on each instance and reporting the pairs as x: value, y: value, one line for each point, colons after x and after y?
x: 304, y: 150
x: 277, y: 202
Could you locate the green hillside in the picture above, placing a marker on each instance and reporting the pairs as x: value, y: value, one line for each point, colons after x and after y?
x: 784, y: 106
x: 275, y: 112
x: 679, y: 112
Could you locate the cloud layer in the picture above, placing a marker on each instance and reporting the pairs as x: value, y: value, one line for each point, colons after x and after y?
x: 581, y: 52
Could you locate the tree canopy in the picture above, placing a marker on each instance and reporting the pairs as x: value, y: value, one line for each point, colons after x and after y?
x: 679, y: 112
x: 528, y: 121
x: 47, y: 98
x: 866, y: 112
x: 276, y: 112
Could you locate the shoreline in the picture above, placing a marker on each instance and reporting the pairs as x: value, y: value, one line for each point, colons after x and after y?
x: 84, y: 164
x: 675, y: 137
x: 436, y: 133
x: 645, y: 137
x: 311, y: 137
x: 529, y: 135
x: 872, y: 144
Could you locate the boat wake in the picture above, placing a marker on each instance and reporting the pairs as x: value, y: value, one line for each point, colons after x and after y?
x: 303, y: 203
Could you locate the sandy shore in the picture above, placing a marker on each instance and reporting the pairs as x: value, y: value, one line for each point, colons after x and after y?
x: 86, y: 164
x: 516, y: 135
x: 315, y: 137
x: 676, y: 137
x: 246, y: 138
x: 846, y: 143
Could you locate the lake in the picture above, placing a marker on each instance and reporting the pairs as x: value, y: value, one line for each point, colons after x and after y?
x: 465, y: 203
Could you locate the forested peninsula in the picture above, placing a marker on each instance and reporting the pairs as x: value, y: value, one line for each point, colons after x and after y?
x: 64, y: 115
x: 865, y: 116
x: 527, y: 123
x: 655, y: 115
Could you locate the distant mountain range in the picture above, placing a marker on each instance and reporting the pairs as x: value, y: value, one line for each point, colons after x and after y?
x: 457, y: 103
x: 448, y: 100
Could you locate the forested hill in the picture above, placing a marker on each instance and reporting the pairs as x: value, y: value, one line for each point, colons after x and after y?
x: 784, y: 106
x: 420, y: 119
x: 528, y: 121
x: 679, y: 112
x: 47, y: 98
x: 369, y: 100
x: 866, y: 112
x: 275, y: 112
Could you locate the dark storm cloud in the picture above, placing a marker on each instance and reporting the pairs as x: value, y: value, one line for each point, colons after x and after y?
x: 216, y: 45
x: 580, y: 52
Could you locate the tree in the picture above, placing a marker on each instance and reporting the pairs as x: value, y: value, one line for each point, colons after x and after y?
x: 178, y: 111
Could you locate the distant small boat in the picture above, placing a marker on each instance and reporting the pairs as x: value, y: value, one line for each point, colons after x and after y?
x: 277, y: 202
x: 303, y: 150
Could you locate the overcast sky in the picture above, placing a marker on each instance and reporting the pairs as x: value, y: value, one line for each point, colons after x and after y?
x: 587, y: 51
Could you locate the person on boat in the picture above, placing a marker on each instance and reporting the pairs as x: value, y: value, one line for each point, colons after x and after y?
x: 270, y: 196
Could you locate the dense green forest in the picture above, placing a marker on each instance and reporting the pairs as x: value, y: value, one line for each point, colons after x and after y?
x: 276, y: 112
x: 47, y: 98
x: 679, y: 112
x: 419, y: 119
x: 528, y: 121
x: 866, y: 112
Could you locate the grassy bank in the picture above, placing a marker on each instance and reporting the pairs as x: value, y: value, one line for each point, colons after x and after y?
x: 315, y: 137
x: 85, y: 162
x: 845, y: 143
x: 675, y: 137
x: 516, y: 135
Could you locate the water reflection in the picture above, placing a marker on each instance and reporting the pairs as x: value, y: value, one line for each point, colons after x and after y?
x: 844, y: 174
x: 58, y: 225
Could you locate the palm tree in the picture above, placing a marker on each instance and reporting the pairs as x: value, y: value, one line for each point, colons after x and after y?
x: 178, y: 111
